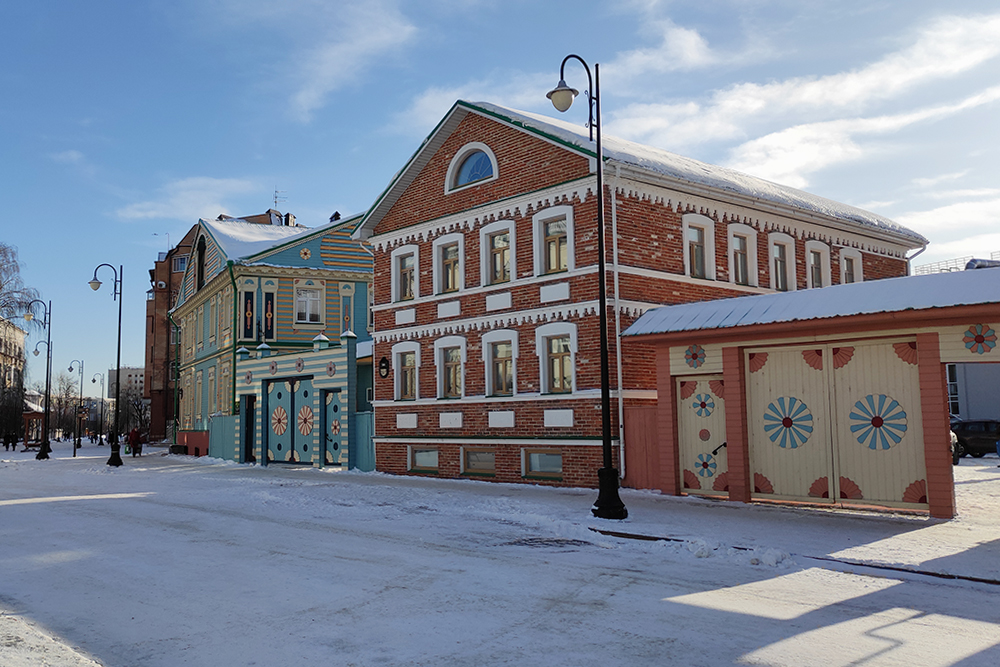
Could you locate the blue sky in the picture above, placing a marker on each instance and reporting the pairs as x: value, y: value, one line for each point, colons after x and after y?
x: 124, y: 121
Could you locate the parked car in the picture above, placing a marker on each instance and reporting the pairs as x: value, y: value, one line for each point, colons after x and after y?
x: 976, y: 437
x: 955, y: 455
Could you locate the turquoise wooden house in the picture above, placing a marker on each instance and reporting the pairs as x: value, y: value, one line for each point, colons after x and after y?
x: 274, y: 290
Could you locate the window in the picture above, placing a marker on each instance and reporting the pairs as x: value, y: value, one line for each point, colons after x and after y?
x: 699, y: 246
x: 449, y: 353
x: 307, y: 305
x: 406, y: 362
x: 451, y: 358
x: 498, y: 252
x: 556, y: 347
x: 212, y: 405
x: 542, y: 463
x: 560, y: 364
x: 423, y: 458
x: 782, y: 251
x: 405, y: 277
x: 818, y: 257
x: 553, y: 230
x: 499, y: 353
x: 180, y: 264
x: 200, y: 272
x: 478, y: 461
x: 473, y: 164
x: 742, y: 254
x: 850, y: 266
x: 449, y: 262
x: 954, y: 406
x: 200, y: 326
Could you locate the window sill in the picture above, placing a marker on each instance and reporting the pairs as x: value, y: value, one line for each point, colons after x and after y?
x: 541, y: 476
x: 423, y: 471
x: 479, y: 474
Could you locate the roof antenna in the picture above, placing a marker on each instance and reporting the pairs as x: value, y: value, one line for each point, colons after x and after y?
x: 335, y: 216
x: 278, y: 198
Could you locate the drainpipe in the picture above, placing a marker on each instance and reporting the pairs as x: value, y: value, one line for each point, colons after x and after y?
x: 618, y: 321
x: 911, y: 258
x: 177, y: 371
x: 232, y: 332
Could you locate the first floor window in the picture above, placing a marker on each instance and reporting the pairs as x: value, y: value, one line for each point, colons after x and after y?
x: 559, y: 363
x: 503, y: 368
x: 543, y: 462
x: 953, y: 402
x: 408, y: 375
x: 452, y: 380
x: 780, y: 268
x: 423, y: 459
x: 307, y: 306
x: 741, y: 260
x: 481, y: 461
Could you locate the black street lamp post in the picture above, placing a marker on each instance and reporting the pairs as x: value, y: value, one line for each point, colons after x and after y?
x: 45, y: 447
x: 77, y: 440
x: 608, y: 505
x: 115, y: 459
x: 100, y: 433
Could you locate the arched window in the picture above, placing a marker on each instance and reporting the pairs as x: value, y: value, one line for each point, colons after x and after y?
x: 476, y: 167
x: 473, y: 164
x: 201, y: 264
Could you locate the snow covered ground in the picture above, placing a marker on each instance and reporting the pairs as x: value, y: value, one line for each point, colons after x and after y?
x: 171, y: 560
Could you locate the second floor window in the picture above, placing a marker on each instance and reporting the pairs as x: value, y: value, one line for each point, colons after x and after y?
x: 180, y: 263
x: 499, y: 258
x: 452, y: 378
x: 307, y: 306
x: 556, y: 249
x: 849, y: 275
x: 741, y: 263
x: 408, y: 375
x: 560, y: 367
x: 503, y: 369
x: 449, y: 267
x: 406, y: 275
x: 816, y: 268
x: 780, y: 268
x: 696, y: 252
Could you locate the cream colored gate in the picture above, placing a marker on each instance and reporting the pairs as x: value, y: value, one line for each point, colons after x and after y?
x: 837, y: 423
x: 788, y: 422
x: 701, y: 430
x: 880, y: 440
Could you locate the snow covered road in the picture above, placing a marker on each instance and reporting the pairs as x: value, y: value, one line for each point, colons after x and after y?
x: 176, y: 561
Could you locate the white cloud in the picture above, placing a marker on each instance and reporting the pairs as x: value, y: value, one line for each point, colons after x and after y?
x: 68, y: 157
x: 941, y: 178
x: 188, y: 199
x: 789, y: 155
x: 963, y: 217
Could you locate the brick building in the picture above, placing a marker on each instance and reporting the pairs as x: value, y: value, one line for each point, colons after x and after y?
x: 485, y: 286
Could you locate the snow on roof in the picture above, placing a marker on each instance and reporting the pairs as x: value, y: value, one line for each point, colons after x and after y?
x: 683, y: 168
x: 936, y: 290
x: 238, y: 238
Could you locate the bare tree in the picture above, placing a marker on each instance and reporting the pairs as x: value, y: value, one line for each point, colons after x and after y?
x: 64, y: 401
x: 14, y: 295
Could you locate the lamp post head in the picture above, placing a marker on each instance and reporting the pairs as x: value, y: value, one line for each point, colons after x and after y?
x: 70, y: 369
x: 35, y: 352
x: 93, y: 380
x: 562, y: 96
x: 28, y: 316
x: 95, y: 284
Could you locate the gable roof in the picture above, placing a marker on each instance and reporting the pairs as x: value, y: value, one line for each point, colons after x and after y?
x: 238, y: 238
x: 645, y: 159
x: 890, y: 295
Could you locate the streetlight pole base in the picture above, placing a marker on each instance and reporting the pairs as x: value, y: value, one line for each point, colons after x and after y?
x: 608, y: 505
x: 43, y: 452
x: 116, y: 457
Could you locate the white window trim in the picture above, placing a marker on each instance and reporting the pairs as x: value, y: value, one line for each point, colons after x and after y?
x: 779, y: 238
x: 456, y: 163
x: 439, y: 345
x: 689, y: 220
x: 858, y: 264
x: 500, y: 336
x: 317, y: 285
x: 394, y: 271
x: 397, y: 350
x: 538, y: 230
x: 737, y: 229
x: 548, y: 331
x: 824, y: 251
x: 437, y: 264
x: 485, y: 233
